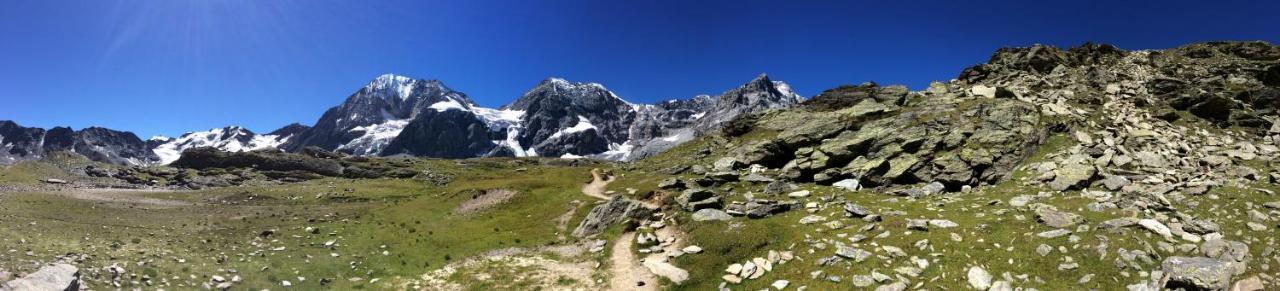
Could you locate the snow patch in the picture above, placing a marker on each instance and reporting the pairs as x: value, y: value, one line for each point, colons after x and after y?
x: 583, y: 125
x: 374, y: 138
x: 225, y: 139
x: 447, y: 104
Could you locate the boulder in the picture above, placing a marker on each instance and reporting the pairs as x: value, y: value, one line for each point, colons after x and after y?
x: 1060, y: 219
x: 698, y: 199
x: 54, y: 278
x: 759, y: 208
x: 854, y: 210
x: 1072, y: 174
x: 1196, y: 273
x: 672, y: 184
x: 710, y: 214
x: 615, y: 210
x: 848, y: 184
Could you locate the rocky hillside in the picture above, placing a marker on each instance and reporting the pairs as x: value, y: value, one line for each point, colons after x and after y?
x: 1168, y: 152
x: 18, y: 143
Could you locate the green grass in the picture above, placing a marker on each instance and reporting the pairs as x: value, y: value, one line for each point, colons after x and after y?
x: 218, y: 234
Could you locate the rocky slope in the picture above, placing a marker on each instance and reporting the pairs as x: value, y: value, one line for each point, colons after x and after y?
x: 18, y: 143
x: 1168, y: 147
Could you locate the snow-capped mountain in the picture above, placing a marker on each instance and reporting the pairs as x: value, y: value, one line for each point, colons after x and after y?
x: 231, y: 139
x: 18, y: 143
x: 668, y: 124
x: 395, y: 115
x: 571, y: 119
x: 370, y: 118
x: 398, y: 115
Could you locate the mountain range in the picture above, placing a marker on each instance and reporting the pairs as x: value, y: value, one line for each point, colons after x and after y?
x: 399, y: 115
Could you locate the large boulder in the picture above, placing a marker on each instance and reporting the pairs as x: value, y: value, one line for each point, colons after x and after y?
x: 56, y: 277
x: 1199, y: 273
x: 615, y: 210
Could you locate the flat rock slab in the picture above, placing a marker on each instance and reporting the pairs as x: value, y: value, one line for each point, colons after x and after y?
x: 53, y: 278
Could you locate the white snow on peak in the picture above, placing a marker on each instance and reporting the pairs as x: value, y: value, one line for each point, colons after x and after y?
x: 401, y: 85
x: 374, y: 137
x: 699, y: 115
x: 786, y: 90
x: 225, y: 139
x: 447, y: 104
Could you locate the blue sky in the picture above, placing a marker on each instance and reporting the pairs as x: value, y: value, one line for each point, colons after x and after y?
x: 168, y: 66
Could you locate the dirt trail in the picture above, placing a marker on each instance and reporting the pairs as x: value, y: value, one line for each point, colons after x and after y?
x: 625, y: 270
x: 597, y: 186
x: 127, y: 196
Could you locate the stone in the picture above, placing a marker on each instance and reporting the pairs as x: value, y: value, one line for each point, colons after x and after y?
x: 848, y: 184
x: 942, y: 223
x: 691, y: 249
x: 53, y: 277
x: 615, y: 210
x: 780, y: 284
x: 732, y: 279
x: 918, y: 224
x: 55, y: 181
x: 777, y: 187
x: 933, y: 188
x: 1044, y: 250
x: 1196, y: 272
x: 1231, y: 251
x: 665, y: 270
x: 711, y: 214
x: 982, y: 91
x: 734, y: 269
x: 1021, y: 200
x: 855, y: 254
x: 1072, y: 174
x: 1060, y: 219
x: 697, y: 199
x: 1119, y: 223
x: 1001, y: 285
x: 854, y: 210
x: 726, y: 164
x: 799, y: 194
x: 1054, y: 233
x: 979, y: 278
x: 1249, y: 284
x: 1114, y: 182
x: 1156, y: 227
x: 760, y: 208
x: 672, y: 184
x: 1200, y: 226
x: 895, y: 286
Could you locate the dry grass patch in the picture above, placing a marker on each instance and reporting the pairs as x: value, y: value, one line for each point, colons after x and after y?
x: 486, y: 200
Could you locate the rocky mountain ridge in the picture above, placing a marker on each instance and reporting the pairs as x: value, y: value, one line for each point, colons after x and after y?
x: 19, y: 143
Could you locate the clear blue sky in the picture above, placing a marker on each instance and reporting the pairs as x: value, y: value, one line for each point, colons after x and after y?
x: 170, y: 66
